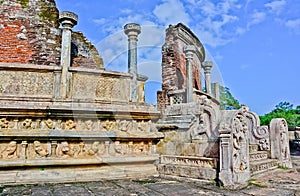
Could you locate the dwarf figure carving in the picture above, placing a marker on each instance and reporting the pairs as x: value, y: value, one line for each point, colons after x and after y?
x: 94, y: 148
x: 10, y: 152
x: 65, y: 150
x: 3, y: 123
x: 39, y: 149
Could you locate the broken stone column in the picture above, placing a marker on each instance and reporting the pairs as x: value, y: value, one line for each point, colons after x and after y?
x: 68, y: 20
x: 141, y: 88
x: 207, y: 65
x: 132, y: 30
x: 189, y: 53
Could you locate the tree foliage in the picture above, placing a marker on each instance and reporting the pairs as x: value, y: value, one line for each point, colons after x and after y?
x: 283, y: 110
x: 227, y: 101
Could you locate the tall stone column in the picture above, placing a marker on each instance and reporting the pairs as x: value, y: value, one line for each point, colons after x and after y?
x: 189, y: 54
x: 68, y: 20
x: 216, y: 92
x: 207, y: 65
x: 132, y: 30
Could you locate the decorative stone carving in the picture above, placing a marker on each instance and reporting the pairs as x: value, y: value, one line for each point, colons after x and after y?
x: 26, y: 83
x: 100, y: 88
x: 94, y: 148
x: 79, y: 125
x: 4, y: 123
x: 188, y: 161
x: 234, y: 149
x: 280, y: 142
x: 240, y: 147
x: 258, y: 135
x: 40, y: 149
x: 89, y: 125
x: 70, y: 125
x: 200, y: 131
x: 27, y: 124
x: 65, y: 150
x: 10, y: 151
x: 118, y: 148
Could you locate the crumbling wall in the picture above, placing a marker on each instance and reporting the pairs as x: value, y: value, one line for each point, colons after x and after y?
x: 84, y: 53
x: 174, y: 61
x: 29, y: 32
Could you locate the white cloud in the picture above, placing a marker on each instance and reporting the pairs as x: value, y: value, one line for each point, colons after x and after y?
x: 294, y: 25
x: 256, y: 18
x: 171, y: 12
x: 276, y: 6
x: 100, y: 21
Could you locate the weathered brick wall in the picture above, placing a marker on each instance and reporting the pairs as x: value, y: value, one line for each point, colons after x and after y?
x: 174, y: 62
x: 29, y: 32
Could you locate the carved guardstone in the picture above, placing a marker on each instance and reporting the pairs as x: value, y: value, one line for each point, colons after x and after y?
x: 279, y: 138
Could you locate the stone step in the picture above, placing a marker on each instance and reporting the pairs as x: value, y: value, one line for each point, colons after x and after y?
x: 253, y: 148
x: 259, y: 155
x: 182, y: 122
x: 263, y: 166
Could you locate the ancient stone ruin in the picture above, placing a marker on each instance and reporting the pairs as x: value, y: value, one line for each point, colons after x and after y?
x: 63, y: 117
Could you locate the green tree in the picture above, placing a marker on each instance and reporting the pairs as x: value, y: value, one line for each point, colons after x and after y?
x: 227, y: 101
x: 283, y: 110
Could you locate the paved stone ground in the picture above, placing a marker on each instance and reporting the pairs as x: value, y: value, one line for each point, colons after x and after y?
x: 278, y: 182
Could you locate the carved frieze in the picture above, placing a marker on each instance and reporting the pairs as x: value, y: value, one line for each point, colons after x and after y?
x: 31, y: 150
x: 129, y: 126
x: 188, y: 161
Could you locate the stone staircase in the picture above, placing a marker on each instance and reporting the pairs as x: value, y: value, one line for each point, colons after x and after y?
x: 260, y: 161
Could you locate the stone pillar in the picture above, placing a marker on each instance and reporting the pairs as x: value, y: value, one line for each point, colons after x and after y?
x: 68, y: 20
x: 132, y: 30
x: 189, y: 53
x: 216, y: 91
x: 207, y: 65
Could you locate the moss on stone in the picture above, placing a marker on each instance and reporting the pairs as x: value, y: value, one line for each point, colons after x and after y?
x: 24, y: 3
x: 49, y: 13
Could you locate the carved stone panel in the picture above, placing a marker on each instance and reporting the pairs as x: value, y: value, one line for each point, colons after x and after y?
x: 87, y: 86
x: 24, y: 83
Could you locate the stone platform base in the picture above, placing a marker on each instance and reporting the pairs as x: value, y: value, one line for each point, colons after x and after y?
x: 76, y: 173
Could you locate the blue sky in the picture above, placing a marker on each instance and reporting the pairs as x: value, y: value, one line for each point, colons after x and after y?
x: 255, y: 44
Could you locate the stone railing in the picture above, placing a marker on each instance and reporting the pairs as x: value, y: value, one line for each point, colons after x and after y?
x: 40, y: 81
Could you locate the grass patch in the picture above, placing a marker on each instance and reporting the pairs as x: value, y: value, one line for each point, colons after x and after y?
x: 283, y: 167
x: 252, y: 181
